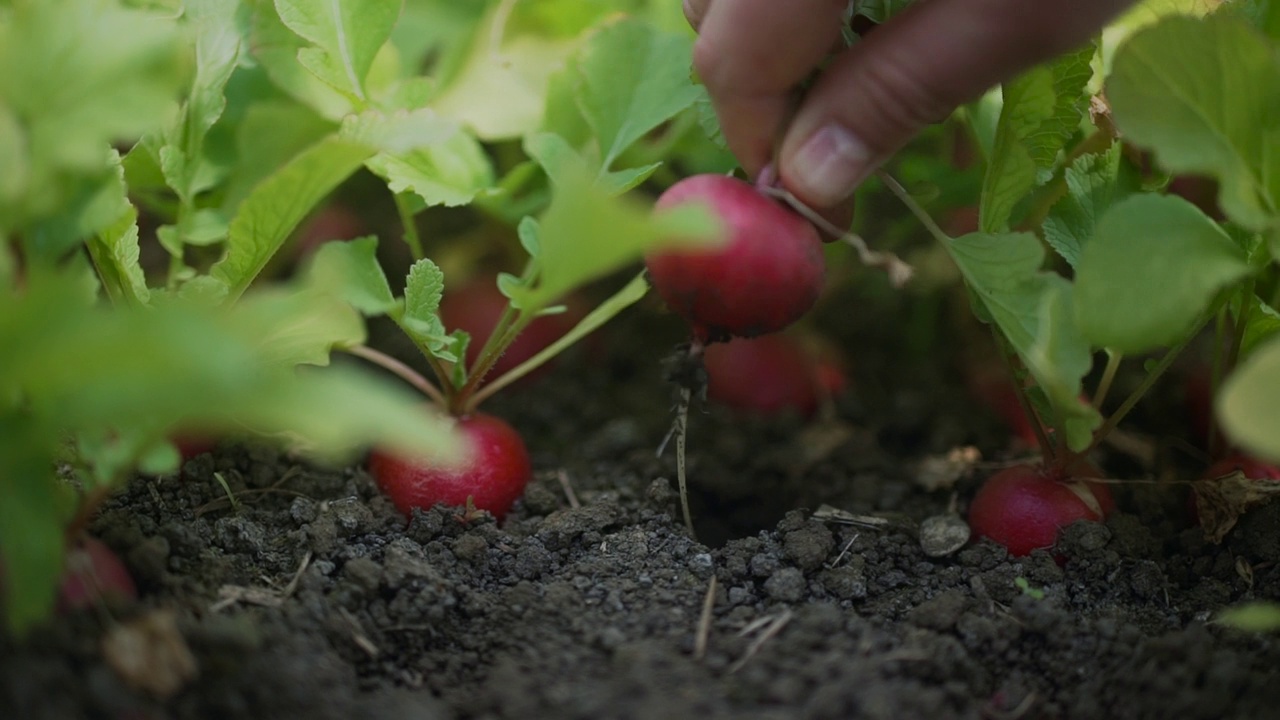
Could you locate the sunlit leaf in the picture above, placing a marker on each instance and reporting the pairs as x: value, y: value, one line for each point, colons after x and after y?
x: 1168, y: 93
x: 1153, y: 266
x: 276, y: 206
x: 1041, y: 110
x: 1249, y: 404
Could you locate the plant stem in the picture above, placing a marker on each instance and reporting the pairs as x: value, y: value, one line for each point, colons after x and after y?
x: 400, y: 370
x: 1046, y: 448
x: 1108, y: 376
x: 1114, y: 419
x: 916, y: 209
x: 411, y: 237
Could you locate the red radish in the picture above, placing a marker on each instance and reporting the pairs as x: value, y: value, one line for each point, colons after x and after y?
x: 1024, y: 507
x: 476, y: 306
x: 94, y: 574
x: 766, y: 275
x: 493, y: 473
x: 769, y: 374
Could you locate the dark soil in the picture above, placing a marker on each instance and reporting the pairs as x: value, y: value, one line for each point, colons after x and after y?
x: 310, y: 598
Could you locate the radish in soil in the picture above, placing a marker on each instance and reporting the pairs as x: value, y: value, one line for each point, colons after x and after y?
x: 491, y: 476
x: 1024, y: 507
x: 771, y: 374
x: 94, y: 574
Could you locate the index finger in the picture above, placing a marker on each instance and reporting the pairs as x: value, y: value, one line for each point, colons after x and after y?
x: 751, y: 55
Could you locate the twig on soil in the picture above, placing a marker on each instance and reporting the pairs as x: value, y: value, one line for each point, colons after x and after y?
x: 297, y: 576
x: 773, y: 625
x: 704, y: 622
x: 567, y: 487
x: 682, y: 426
x: 264, y: 597
x: 361, y: 640
x: 843, y: 551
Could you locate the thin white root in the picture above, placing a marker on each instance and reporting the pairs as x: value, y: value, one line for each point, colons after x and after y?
x: 899, y: 271
x: 681, y: 428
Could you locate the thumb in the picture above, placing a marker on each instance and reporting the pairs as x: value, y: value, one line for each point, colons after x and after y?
x: 914, y: 71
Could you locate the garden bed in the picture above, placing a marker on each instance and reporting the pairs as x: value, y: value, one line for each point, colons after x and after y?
x: 310, y: 598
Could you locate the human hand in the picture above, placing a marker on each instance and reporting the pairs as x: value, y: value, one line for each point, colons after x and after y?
x: 874, y: 97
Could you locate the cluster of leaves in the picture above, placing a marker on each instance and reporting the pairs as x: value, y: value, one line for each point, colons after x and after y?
x: 207, y: 131
x: 1135, y: 271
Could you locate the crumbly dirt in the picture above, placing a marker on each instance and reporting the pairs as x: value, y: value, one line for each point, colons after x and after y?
x: 311, y: 597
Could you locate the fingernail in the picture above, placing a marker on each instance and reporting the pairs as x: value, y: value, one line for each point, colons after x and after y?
x: 830, y: 164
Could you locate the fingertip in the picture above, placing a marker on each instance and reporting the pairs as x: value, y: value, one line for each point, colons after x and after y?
x: 823, y: 166
x: 694, y: 11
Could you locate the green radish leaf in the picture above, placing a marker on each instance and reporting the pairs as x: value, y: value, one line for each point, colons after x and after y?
x: 1262, y: 323
x: 115, y: 253
x: 31, y: 519
x: 1034, y: 310
x: 398, y: 132
x: 559, y: 159
x: 1256, y: 616
x: 580, y: 215
x: 634, y: 78
x: 1094, y: 183
x: 217, y: 51
x: 1042, y: 109
x: 346, y: 35
x: 1247, y: 404
x: 303, y: 326
x: 271, y: 133
x: 276, y: 206
x: 451, y: 172
x: 1168, y: 93
x: 421, y: 319
x: 630, y: 294
x: 276, y: 49
x: 94, y: 204
x: 1150, y: 247
x: 76, y: 76
x: 351, y: 270
x: 499, y: 88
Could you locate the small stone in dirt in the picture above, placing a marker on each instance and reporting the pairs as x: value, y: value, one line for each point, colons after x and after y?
x: 785, y: 585
x: 942, y: 535
x: 352, y: 515
x: 702, y: 565
x: 809, y: 545
x: 764, y: 564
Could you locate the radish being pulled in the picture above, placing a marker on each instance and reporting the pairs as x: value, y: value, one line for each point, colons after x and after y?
x: 492, y: 474
x: 767, y: 274
x: 1024, y: 507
